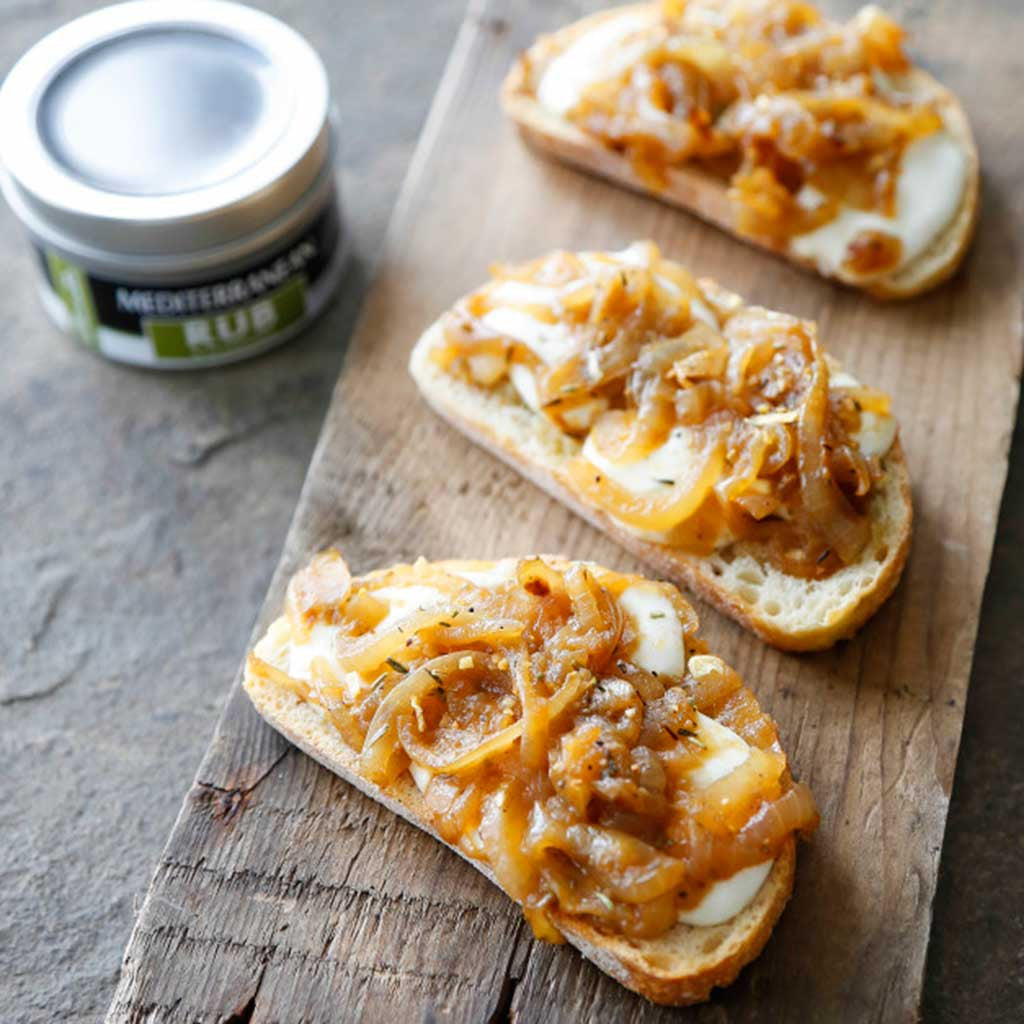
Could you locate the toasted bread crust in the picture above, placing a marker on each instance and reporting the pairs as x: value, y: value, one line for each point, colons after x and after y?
x: 890, y: 510
x: 678, y: 968
x: 631, y: 965
x: 704, y: 194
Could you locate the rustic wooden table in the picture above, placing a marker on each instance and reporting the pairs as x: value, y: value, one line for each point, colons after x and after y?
x: 143, y: 516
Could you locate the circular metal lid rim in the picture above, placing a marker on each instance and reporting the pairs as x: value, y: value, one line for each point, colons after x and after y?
x: 167, y: 267
x: 278, y: 179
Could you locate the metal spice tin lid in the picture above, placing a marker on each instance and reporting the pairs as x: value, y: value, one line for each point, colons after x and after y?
x: 157, y: 129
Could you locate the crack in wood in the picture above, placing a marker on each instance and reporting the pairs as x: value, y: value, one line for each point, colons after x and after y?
x: 242, y: 1014
x: 229, y: 803
x: 503, y: 1012
x: 279, y: 887
x: 276, y: 953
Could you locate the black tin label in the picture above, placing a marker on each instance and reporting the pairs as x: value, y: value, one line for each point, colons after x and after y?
x: 200, y: 322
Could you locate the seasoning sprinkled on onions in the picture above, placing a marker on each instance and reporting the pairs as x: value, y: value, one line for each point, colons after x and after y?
x: 589, y: 784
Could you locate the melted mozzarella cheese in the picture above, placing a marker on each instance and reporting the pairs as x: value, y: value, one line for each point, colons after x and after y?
x: 645, y: 476
x: 493, y: 575
x: 525, y: 383
x: 279, y: 647
x: 703, y: 312
x: 725, y: 899
x: 551, y: 343
x: 659, y: 648
x: 405, y: 601
x: 321, y: 644
x: 876, y: 435
x: 602, y: 53
x: 877, y: 432
x: 724, y: 752
x: 928, y: 194
x: 420, y: 775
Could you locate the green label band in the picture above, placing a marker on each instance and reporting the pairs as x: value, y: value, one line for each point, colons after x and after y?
x: 226, y: 332
x: 72, y: 288
x: 200, y: 321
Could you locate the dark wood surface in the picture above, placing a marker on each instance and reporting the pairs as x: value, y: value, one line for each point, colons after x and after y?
x: 282, y: 889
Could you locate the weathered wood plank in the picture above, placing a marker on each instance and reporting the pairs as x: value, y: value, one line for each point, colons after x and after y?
x: 285, y: 895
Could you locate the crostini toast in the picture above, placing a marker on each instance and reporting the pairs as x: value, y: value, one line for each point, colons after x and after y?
x: 870, y: 176
x: 562, y: 728
x: 802, y: 550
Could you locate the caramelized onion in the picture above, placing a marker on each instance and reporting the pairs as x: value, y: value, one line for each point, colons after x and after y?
x: 272, y: 674
x: 793, y: 812
x: 576, y: 684
x: 833, y: 517
x: 571, y: 772
x: 712, y: 412
x: 713, y: 682
x: 442, y: 626
x: 657, y: 511
x: 382, y: 736
x: 729, y: 801
x: 768, y: 96
x: 625, y: 867
x: 318, y: 589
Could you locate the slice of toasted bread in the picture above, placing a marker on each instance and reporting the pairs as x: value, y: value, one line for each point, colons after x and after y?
x: 790, y: 613
x: 705, y: 194
x: 679, y: 967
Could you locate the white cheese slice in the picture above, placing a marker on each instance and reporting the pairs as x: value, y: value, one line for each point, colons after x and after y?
x: 525, y: 383
x: 928, y: 194
x: 703, y: 312
x: 602, y: 53
x: 321, y: 644
x: 660, y: 646
x: 725, y: 899
x: 523, y: 293
x: 404, y: 602
x: 877, y: 432
x: 551, y: 343
x: 724, y: 752
x: 645, y: 476
x: 876, y: 435
x: 420, y: 775
x: 809, y: 198
x: 496, y: 574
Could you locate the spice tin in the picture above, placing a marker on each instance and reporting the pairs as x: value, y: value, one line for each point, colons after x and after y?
x: 172, y: 163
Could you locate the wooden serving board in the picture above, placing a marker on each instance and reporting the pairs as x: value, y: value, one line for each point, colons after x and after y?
x: 284, y: 895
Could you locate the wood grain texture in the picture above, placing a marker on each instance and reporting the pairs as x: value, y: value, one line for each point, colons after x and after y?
x: 285, y: 896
